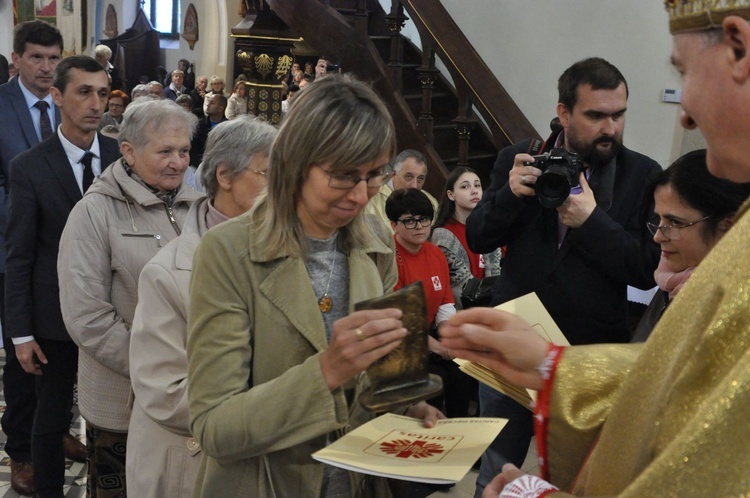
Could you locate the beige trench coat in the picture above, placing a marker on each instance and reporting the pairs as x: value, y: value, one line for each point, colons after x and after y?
x: 110, y: 235
x: 259, y: 405
x: 162, y: 457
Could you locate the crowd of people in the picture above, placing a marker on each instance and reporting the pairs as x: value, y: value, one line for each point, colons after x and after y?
x: 193, y: 270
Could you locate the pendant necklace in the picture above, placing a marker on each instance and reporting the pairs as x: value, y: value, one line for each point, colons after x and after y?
x: 325, y: 303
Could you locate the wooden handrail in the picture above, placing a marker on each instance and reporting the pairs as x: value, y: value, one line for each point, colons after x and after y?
x: 438, y: 30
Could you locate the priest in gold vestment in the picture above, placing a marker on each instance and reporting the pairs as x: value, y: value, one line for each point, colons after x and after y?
x: 669, y: 417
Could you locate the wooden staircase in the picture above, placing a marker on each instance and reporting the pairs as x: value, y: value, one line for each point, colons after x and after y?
x: 461, y: 124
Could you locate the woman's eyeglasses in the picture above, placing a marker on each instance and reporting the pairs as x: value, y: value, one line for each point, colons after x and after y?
x: 342, y: 181
x: 672, y: 232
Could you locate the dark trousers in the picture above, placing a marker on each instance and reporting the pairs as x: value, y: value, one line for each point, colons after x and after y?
x: 512, y: 444
x: 20, y: 397
x: 54, y: 390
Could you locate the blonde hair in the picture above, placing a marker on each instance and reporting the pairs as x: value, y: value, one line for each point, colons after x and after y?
x: 336, y: 120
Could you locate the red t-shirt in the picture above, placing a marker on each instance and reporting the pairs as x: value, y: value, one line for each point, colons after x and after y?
x: 476, y: 261
x: 430, y: 266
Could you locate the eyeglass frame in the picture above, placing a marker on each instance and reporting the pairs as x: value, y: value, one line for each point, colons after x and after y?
x: 356, y: 179
x: 424, y: 222
x: 665, y: 229
x: 259, y: 172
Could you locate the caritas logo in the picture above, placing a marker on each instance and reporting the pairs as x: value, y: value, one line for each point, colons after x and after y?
x: 405, y: 448
x: 407, y: 445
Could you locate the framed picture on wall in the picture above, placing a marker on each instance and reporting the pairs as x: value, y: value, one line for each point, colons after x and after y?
x: 190, y: 28
x: 110, y: 22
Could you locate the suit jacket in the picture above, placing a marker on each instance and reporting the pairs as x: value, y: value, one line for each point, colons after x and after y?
x: 583, y: 283
x: 17, y: 134
x: 198, y: 144
x: 44, y: 191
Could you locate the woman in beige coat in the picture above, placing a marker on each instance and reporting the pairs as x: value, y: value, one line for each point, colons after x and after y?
x: 134, y: 208
x: 162, y: 458
x: 274, y: 357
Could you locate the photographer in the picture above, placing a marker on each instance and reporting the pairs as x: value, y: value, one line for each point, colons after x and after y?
x: 580, y: 256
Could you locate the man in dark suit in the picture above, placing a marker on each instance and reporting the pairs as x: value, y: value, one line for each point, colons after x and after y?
x: 37, y: 48
x: 216, y: 107
x: 46, y: 182
x: 580, y: 256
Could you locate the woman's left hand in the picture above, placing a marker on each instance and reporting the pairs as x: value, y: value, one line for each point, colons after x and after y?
x: 425, y: 411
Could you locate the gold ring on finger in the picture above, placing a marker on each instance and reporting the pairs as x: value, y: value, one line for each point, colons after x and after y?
x: 360, y: 335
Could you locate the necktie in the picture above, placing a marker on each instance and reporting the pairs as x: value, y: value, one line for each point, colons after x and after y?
x: 44, y: 123
x: 88, y: 173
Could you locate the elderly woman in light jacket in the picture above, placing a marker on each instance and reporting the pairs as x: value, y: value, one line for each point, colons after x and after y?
x: 132, y: 210
x: 274, y: 356
x: 162, y: 458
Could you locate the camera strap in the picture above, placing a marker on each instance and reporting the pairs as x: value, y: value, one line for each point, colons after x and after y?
x: 535, y: 148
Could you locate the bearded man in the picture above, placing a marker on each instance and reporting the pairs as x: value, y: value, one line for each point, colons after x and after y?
x: 578, y: 246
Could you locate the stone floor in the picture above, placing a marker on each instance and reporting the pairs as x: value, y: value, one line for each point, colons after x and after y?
x: 75, y: 473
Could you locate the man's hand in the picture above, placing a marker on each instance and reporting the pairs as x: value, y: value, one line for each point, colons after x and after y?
x: 521, y: 177
x: 578, y: 207
x: 25, y: 354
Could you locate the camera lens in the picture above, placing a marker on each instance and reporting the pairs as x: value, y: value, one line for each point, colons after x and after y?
x: 553, y: 187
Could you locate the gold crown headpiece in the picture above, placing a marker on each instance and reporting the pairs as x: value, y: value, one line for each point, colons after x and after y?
x: 698, y: 15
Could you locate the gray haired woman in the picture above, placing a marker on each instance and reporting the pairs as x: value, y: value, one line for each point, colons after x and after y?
x: 162, y: 458
x: 137, y: 205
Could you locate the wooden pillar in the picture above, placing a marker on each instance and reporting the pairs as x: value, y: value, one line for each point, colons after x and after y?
x: 361, y: 17
x: 428, y: 75
x: 463, y: 124
x: 265, y: 63
x: 263, y: 53
x: 396, y: 21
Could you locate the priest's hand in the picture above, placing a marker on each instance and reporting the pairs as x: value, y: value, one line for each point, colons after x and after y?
x: 498, y: 340
x: 512, y: 482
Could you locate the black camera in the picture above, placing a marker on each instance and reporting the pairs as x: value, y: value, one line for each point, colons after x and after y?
x: 560, y: 172
x: 332, y: 67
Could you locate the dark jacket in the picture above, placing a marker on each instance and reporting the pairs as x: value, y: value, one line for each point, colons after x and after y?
x: 44, y: 191
x: 583, y: 284
x: 198, y: 145
x: 17, y: 134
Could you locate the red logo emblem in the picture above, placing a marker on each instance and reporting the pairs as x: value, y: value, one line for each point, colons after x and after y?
x: 436, y: 283
x: 405, y: 448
